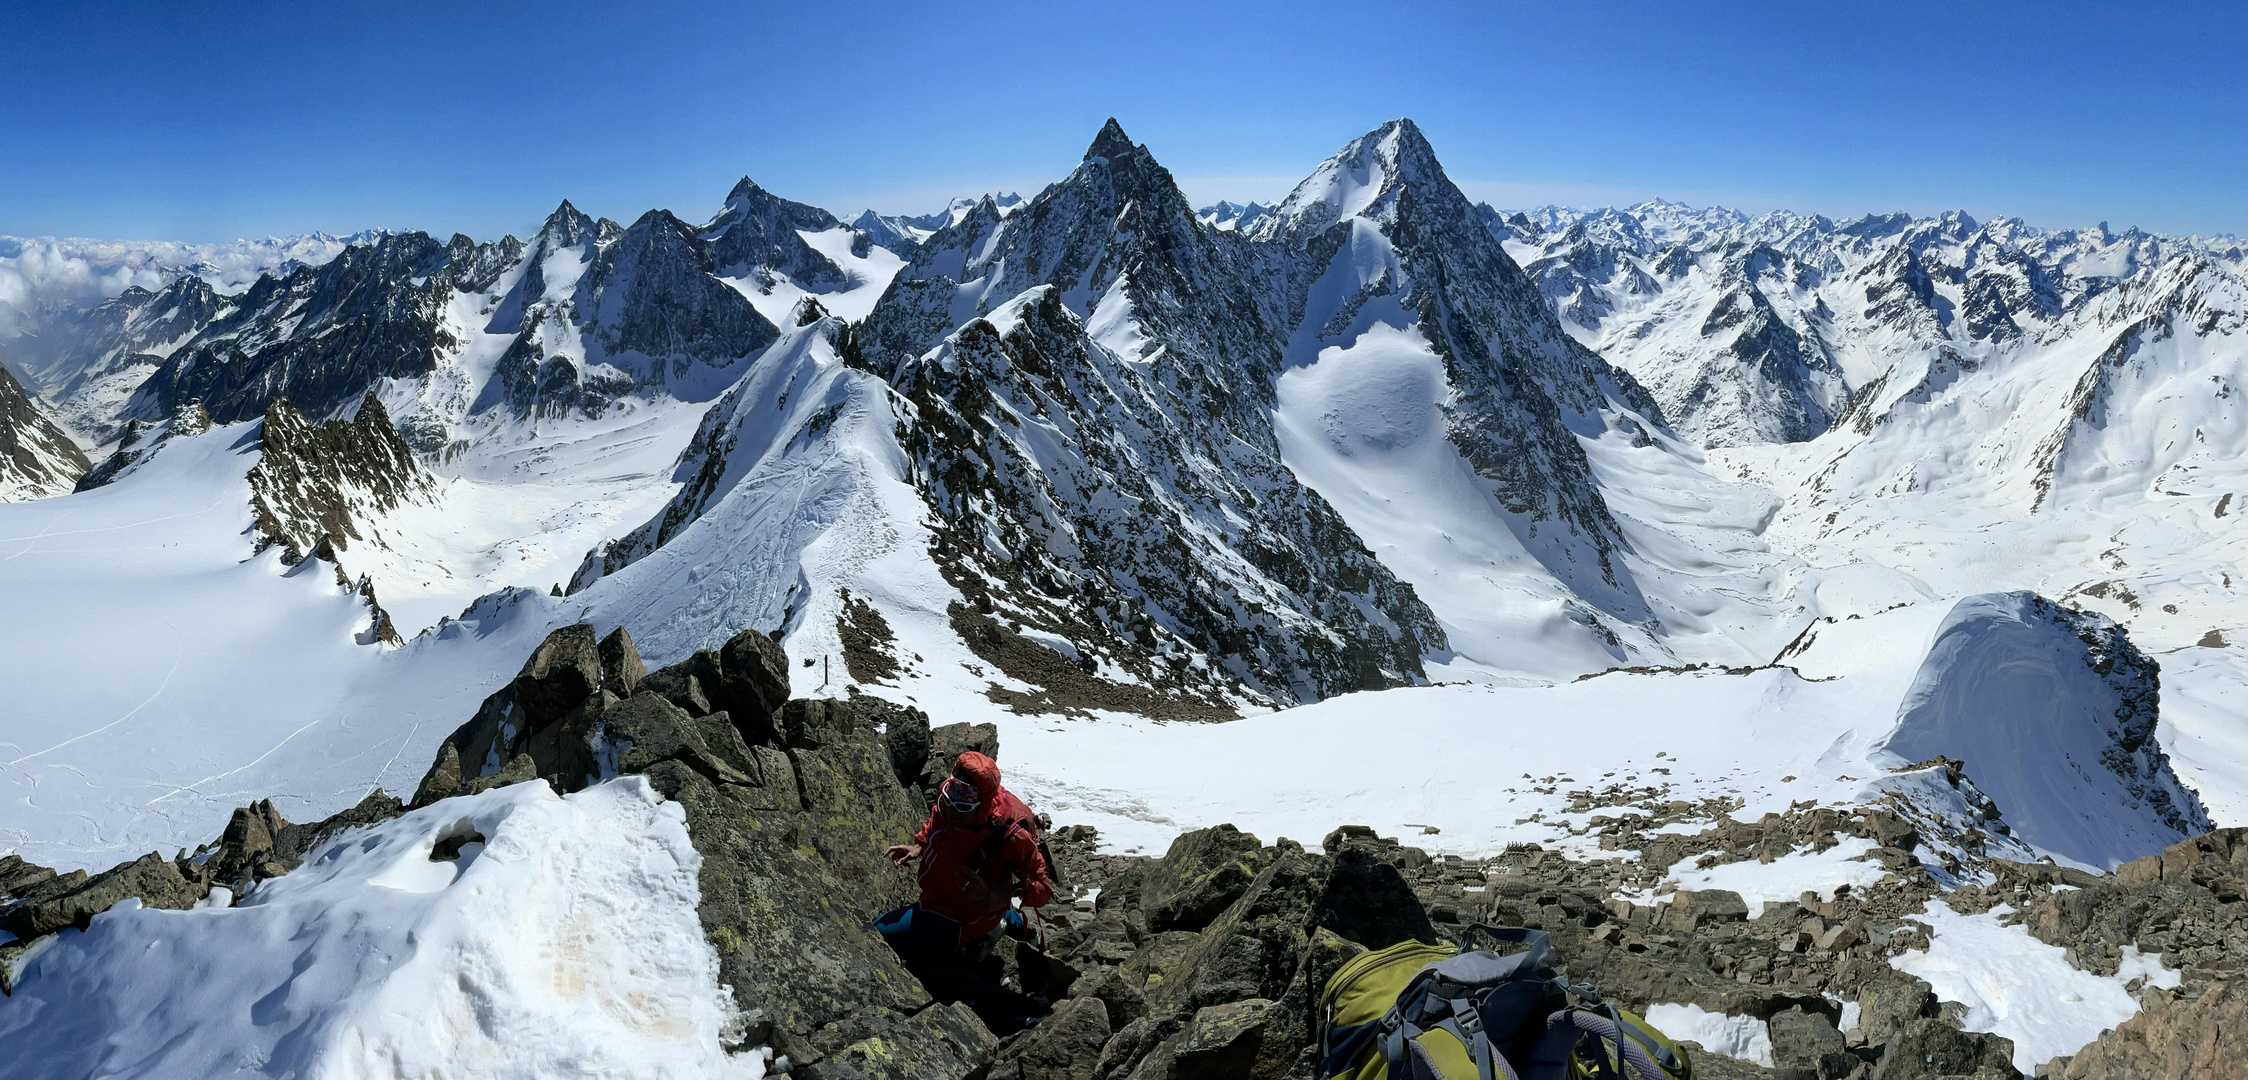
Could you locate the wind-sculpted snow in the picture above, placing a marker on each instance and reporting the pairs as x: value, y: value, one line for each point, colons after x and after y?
x: 559, y: 939
x: 2054, y: 711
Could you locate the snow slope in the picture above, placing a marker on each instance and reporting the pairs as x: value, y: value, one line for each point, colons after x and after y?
x: 162, y: 675
x: 1492, y: 765
x: 563, y: 943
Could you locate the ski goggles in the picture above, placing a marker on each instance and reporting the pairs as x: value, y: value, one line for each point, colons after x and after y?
x: 958, y: 796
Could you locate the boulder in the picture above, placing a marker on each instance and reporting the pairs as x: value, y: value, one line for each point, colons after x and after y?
x: 1221, y: 1040
x: 1888, y: 1005
x: 906, y: 732
x: 246, y: 851
x: 622, y: 670
x: 1126, y: 1003
x: 751, y: 684
x: 1133, y: 1042
x: 561, y: 672
x: 18, y: 876
x: 1064, y: 1046
x: 152, y: 879
x: 1931, y: 1047
x: 1691, y: 909
x: 947, y: 743
x: 1800, y: 1039
x: 635, y: 734
x: 1201, y: 875
x: 938, y: 1041
x: 443, y: 780
x: 679, y: 685
x: 2198, y: 1038
x: 1368, y: 900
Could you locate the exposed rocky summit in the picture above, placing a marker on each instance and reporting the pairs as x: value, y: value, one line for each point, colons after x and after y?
x: 1208, y: 960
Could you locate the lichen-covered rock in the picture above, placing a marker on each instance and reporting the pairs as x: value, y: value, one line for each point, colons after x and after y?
x: 1800, y: 1039
x: 947, y: 743
x: 1889, y: 1005
x: 1201, y: 875
x: 18, y: 876
x: 1221, y: 1040
x: 680, y: 685
x: 1064, y: 1046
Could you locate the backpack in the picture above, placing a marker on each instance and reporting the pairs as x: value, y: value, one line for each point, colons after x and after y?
x: 1419, y: 1010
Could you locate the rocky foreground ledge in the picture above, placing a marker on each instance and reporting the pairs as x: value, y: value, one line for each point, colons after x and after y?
x: 1207, y: 961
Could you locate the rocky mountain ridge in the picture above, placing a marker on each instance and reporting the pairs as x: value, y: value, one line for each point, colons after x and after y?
x: 1769, y: 329
x: 37, y: 457
x: 1208, y: 960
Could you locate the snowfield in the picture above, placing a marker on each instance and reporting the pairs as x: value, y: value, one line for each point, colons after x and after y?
x: 1916, y: 499
x: 563, y: 943
x: 1468, y: 769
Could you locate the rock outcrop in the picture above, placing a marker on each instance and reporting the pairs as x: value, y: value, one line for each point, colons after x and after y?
x: 1209, y: 960
x: 37, y: 458
x: 320, y: 484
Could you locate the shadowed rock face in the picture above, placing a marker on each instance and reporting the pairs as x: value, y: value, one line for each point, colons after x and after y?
x: 758, y: 230
x: 1163, y: 534
x: 322, y: 335
x: 37, y: 458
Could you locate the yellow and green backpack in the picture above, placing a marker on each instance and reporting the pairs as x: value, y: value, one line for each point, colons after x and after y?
x: 1415, y: 1010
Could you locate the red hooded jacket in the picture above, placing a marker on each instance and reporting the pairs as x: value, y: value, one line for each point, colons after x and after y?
x: 997, y: 843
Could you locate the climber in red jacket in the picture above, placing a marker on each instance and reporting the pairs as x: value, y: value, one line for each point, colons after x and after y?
x: 978, y: 853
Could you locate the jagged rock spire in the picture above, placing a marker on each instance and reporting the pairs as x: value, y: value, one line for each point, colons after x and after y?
x: 1111, y: 142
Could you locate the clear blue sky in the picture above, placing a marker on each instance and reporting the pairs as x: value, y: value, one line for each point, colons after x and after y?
x: 198, y: 121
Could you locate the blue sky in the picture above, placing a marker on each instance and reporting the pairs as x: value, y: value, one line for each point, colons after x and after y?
x: 206, y: 122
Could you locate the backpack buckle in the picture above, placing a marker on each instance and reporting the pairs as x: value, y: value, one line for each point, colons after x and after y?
x: 1467, y: 1016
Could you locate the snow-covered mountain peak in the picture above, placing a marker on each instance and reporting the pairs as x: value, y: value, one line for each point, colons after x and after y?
x: 1359, y: 178
x: 567, y: 227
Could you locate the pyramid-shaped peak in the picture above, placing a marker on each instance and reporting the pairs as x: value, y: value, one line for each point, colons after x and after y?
x: 1111, y: 142
x: 744, y: 188
x: 1406, y: 131
x: 566, y: 226
x: 1363, y: 175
